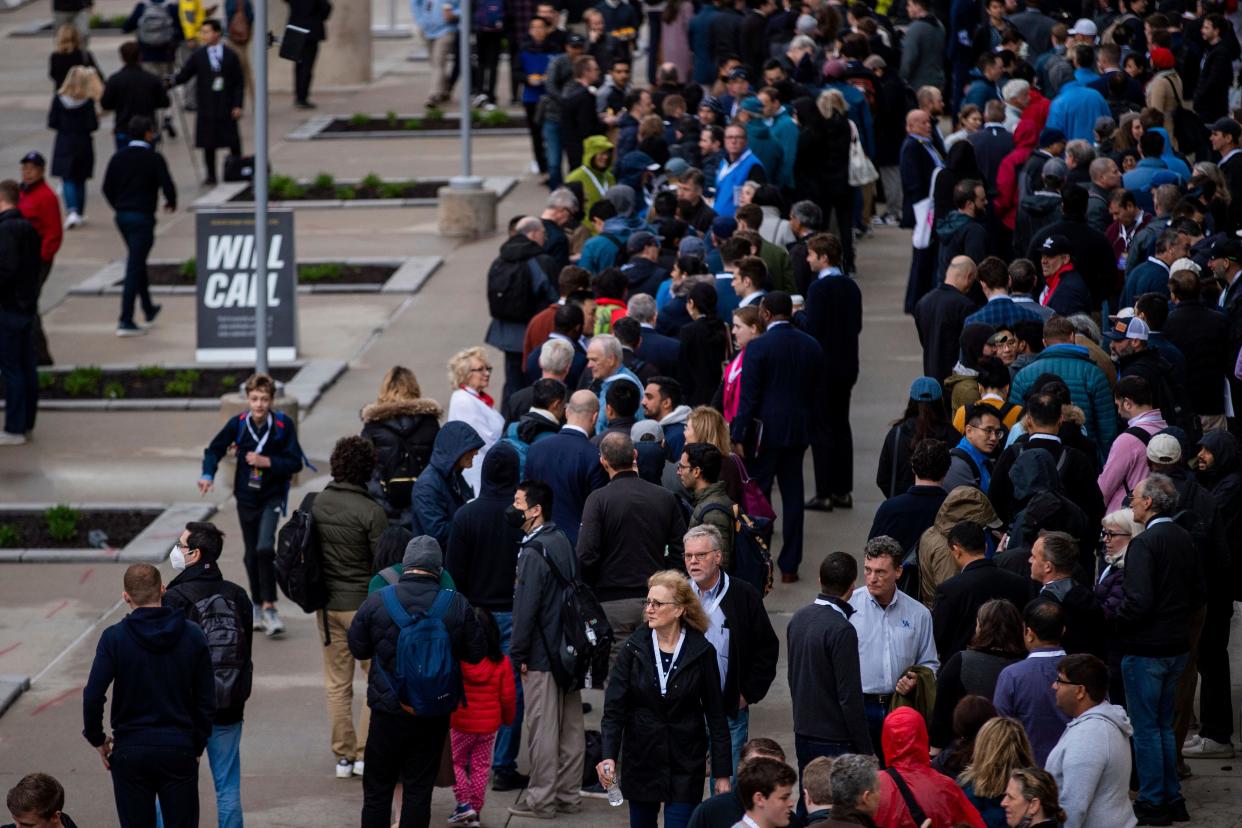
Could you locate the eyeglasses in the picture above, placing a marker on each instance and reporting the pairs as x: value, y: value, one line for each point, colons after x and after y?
x: 652, y: 603
x: 696, y: 556
x: 1001, y: 340
x: 1109, y: 534
x: 485, y: 369
x: 684, y: 467
x: 991, y: 432
x: 1067, y: 683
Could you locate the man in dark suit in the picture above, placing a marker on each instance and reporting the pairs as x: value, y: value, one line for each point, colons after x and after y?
x: 567, y: 326
x: 992, y: 143
x: 833, y: 316
x: 555, y: 357
x: 776, y: 415
x: 1225, y: 137
x: 310, y: 15
x: 569, y: 463
x: 1052, y: 565
x: 919, y: 159
x: 1211, y: 96
x: 979, y: 580
x: 655, y: 348
x: 219, y: 89
x: 940, y: 315
x: 1198, y: 331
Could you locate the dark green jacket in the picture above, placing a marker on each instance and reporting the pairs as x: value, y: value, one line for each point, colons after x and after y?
x: 715, y: 494
x: 349, y: 524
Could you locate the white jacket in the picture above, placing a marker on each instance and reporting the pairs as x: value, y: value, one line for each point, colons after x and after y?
x: 1091, y: 765
x: 487, y: 421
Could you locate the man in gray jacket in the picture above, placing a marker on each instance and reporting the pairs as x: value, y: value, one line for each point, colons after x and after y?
x: 922, y: 53
x: 553, y: 713
x: 1091, y: 762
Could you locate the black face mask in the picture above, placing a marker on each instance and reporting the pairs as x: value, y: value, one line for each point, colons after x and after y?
x: 515, y: 517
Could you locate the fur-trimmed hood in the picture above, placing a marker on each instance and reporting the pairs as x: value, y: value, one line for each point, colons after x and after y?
x: 377, y: 411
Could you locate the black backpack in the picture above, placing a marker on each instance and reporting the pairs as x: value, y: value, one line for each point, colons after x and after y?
x: 299, y: 560
x: 230, y: 653
x: 970, y: 462
x: 510, y: 290
x: 623, y: 251
x: 908, y: 581
x: 397, y: 476
x: 752, y: 538
x: 580, y: 660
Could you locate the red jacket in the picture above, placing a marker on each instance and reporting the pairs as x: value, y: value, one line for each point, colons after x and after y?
x: 905, y: 747
x: 538, y: 329
x: 1025, y: 137
x: 1036, y: 111
x: 491, y: 697
x: 41, y: 207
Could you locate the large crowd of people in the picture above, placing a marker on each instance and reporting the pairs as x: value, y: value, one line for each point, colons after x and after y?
x: 1036, y: 632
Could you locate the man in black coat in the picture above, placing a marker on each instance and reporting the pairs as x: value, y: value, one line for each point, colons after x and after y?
x: 1211, y: 98
x: 1226, y: 139
x: 1198, y: 331
x: 219, y: 89
x: 20, y: 264
x: 940, y: 316
x: 522, y: 264
x: 739, y: 629
x: 992, y: 142
x: 906, y: 516
x: 1093, y: 253
x: 132, y: 91
x: 578, y: 116
x: 310, y: 15
x: 833, y: 315
x: 200, y: 589
x: 400, y: 746
x: 569, y: 463
x: 776, y: 415
x: 1053, y: 557
x: 919, y: 159
x: 979, y: 580
x: 752, y: 35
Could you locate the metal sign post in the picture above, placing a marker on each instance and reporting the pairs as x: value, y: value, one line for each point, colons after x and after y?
x: 259, y: 60
x: 467, y: 180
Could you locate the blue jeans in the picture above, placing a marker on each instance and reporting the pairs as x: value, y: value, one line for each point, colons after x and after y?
x: 647, y: 814
x: 808, y: 749
x: 223, y: 749
x: 138, y: 230
x: 876, y: 713
x: 508, y: 739
x: 75, y: 195
x: 739, y: 729
x: 1151, y: 687
x: 552, y: 152
x: 17, y: 366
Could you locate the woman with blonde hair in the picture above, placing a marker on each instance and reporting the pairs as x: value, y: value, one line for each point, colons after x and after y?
x: 1031, y: 800
x: 470, y: 373
x: 1000, y: 748
x: 660, y: 723
x: 707, y: 425
x: 73, y: 155
x: 403, y: 427
x: 68, y: 54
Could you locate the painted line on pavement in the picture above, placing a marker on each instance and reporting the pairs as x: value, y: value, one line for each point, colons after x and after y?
x: 58, y: 608
x: 90, y: 629
x: 55, y: 700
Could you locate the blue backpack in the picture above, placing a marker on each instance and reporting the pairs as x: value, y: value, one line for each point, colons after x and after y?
x: 520, y: 446
x: 427, y: 676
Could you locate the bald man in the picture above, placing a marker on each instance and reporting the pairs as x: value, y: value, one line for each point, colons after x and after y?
x: 919, y: 159
x: 941, y: 314
x: 568, y: 462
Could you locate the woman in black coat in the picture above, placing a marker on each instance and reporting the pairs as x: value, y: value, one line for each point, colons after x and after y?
x: 654, y: 712
x: 705, y: 346
x: 69, y: 53
x: 821, y: 167
x: 924, y: 417
x: 402, y: 425
x: 73, y: 155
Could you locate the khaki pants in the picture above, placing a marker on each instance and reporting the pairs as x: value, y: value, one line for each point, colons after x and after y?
x: 557, y: 738
x: 338, y: 685
x: 624, y: 616
x: 441, y: 59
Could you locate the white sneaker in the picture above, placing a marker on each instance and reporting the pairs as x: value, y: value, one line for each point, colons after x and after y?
x: 1209, y: 749
x: 344, y: 768
x: 72, y: 220
x: 358, y: 767
x: 534, y: 167
x: 259, y: 623
x: 7, y: 439
x: 1192, y: 740
x: 272, y: 625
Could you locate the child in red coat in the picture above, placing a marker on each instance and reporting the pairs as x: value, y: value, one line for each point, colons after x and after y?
x: 491, y: 700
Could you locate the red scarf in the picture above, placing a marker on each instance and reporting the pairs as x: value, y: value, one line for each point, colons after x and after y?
x: 482, y: 395
x: 1054, y: 281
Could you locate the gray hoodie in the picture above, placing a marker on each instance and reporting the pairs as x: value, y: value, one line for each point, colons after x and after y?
x: 1091, y: 765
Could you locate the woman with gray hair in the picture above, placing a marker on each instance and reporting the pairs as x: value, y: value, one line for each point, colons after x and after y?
x: 1118, y: 529
x: 855, y: 791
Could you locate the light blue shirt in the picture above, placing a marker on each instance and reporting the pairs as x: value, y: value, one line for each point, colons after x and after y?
x: 891, y: 639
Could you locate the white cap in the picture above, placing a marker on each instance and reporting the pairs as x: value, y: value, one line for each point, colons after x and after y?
x: 1185, y: 264
x: 1084, y: 27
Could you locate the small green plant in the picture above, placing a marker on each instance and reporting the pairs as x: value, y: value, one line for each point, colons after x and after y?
x: 182, y: 383
x: 392, y: 189
x: 360, y: 119
x: 83, y: 382
x: 412, y: 123
x: 47, y: 380
x: 324, y: 181
x: 346, y: 192
x: 95, y: 21
x: 188, y: 269
x: 114, y: 390
x: 371, y: 181
x: 391, y: 116
x: 62, y: 522
x: 283, y: 188
x: 495, y: 118
x: 434, y: 113
x: 320, y: 272
x: 229, y: 380
x: 152, y: 371
x: 9, y: 536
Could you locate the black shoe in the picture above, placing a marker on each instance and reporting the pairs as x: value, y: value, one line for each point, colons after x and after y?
x: 1152, y: 814
x: 154, y: 312
x: 305, y: 105
x: 845, y: 501
x: 168, y: 127
x: 819, y: 504
x: 586, y: 707
x: 509, y: 780
x: 1177, y: 811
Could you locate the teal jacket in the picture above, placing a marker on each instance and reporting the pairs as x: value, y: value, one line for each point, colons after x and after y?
x: 785, y: 132
x: 765, y: 146
x: 1088, y: 387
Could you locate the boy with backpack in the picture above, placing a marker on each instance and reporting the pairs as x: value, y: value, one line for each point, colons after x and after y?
x: 415, y: 635
x: 219, y: 608
x: 265, y: 447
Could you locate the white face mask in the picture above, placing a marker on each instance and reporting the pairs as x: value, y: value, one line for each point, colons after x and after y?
x: 177, y: 558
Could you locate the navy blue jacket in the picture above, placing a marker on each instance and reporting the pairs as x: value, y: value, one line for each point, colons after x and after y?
x: 833, y: 316
x: 441, y: 490
x: 992, y: 143
x: 905, y: 517
x: 916, y: 167
x: 1071, y: 296
x: 775, y: 390
x: 1149, y: 277
x: 659, y: 350
x: 163, y: 685
x: 534, y: 372
x: 570, y: 465
x: 281, y: 448
x: 483, y: 547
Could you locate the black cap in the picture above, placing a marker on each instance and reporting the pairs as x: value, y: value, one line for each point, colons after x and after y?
x: 575, y: 40
x: 1226, y: 248
x: 739, y: 73
x: 1055, y: 246
x: 1228, y: 126
x: 35, y: 158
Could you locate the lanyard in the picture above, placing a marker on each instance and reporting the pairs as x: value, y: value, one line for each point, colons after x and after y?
x: 259, y: 443
x: 599, y: 185
x: 1126, y: 236
x: 824, y: 602
x: 708, y: 609
x: 214, y: 55
x: 672, y: 665
x: 726, y: 167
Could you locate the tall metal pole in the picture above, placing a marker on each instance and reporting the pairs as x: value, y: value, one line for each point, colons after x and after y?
x: 467, y: 180
x: 259, y: 61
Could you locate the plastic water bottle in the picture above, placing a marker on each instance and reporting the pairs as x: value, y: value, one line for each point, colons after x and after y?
x: 614, y: 792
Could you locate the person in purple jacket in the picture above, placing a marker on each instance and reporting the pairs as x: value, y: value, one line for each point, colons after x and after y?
x: 1024, y: 690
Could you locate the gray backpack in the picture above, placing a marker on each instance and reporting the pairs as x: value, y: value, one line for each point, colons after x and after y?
x: 155, y: 25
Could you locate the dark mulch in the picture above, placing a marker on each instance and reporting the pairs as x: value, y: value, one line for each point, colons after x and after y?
x: 399, y: 189
x: 121, y: 527
x: 205, y: 382
x: 170, y: 274
x: 424, y: 125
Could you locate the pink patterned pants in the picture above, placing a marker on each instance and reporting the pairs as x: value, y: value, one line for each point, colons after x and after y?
x: 472, y: 761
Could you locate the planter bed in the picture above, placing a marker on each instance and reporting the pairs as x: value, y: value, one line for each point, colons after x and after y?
x: 134, y: 531
x: 45, y: 26
x: 196, y: 387
x: 423, y: 194
x: 170, y: 274
x: 403, y: 126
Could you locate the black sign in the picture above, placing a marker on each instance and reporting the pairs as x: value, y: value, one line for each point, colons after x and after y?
x: 227, y: 285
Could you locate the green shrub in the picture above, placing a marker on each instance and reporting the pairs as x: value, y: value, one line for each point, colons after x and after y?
x: 434, y: 113
x: 495, y: 118
x: 346, y: 192
x: 324, y: 181
x: 182, y: 383
x: 371, y: 181
x: 320, y: 272
x: 188, y: 269
x: 392, y: 189
x: 151, y: 371
x: 284, y: 188
x: 412, y: 123
x: 10, y: 538
x: 229, y: 381
x: 360, y: 119
x: 95, y: 21
x: 83, y: 382
x: 62, y: 522
x: 391, y: 116
x: 114, y: 390
x: 47, y: 380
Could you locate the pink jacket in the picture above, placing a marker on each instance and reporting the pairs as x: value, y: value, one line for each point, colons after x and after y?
x: 732, y: 394
x: 1127, y: 460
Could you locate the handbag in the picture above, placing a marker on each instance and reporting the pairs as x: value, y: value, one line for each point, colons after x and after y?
x: 861, y: 171
x: 753, y: 501
x: 925, y: 216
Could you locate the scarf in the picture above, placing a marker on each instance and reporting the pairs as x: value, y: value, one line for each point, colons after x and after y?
x: 482, y: 395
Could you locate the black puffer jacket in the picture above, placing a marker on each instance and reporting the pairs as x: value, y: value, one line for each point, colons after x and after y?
x: 373, y: 635
x: 389, y: 426
x: 20, y: 261
x: 661, y: 738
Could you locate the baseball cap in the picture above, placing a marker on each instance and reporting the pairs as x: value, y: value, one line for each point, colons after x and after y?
x: 713, y: 103
x: 1226, y: 248
x: 575, y: 40
x: 1084, y: 27
x: 692, y: 246
x: 1050, y: 135
x: 752, y: 105
x: 676, y: 167
x: 640, y: 240
x: 1055, y: 245
x: 1164, y: 449
x: 723, y: 227
x: 1131, y: 328
x: 925, y: 389
x: 647, y: 431
x: 35, y: 158
x: 1162, y: 58
x: 1228, y: 126
x: 739, y: 73
x: 1055, y: 168
x: 1185, y: 264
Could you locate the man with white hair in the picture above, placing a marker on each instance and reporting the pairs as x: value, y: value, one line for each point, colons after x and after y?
x: 519, y: 284
x: 1017, y: 96
x: 655, y: 348
x: 555, y: 357
x: 605, y: 362
x: 558, y: 212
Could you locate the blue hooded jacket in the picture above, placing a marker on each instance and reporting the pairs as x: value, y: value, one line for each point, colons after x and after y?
x: 441, y: 489
x: 1076, y: 107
